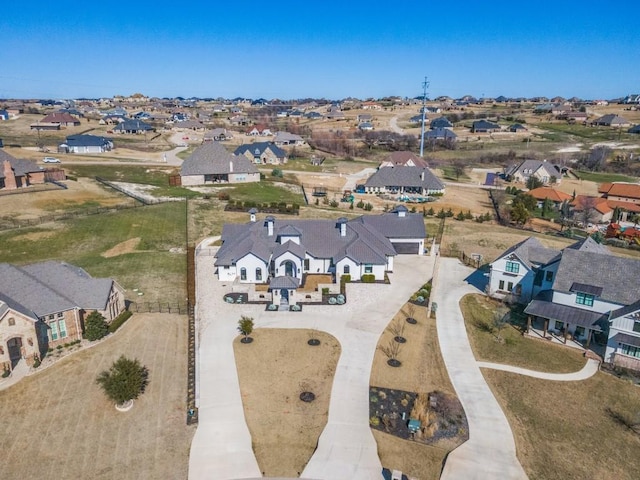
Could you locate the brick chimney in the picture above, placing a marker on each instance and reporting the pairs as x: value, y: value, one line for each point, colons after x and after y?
x: 9, y: 176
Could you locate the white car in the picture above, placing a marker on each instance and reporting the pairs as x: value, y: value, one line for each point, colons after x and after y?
x: 51, y: 160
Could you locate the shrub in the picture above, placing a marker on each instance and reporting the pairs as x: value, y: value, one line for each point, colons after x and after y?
x: 119, y: 320
x: 368, y: 207
x: 96, y: 326
x: 334, y: 203
x: 325, y: 291
x: 276, y: 172
x: 125, y: 380
x: 360, y: 204
x: 332, y: 300
x: 345, y: 278
x: 224, y: 196
x: 368, y: 278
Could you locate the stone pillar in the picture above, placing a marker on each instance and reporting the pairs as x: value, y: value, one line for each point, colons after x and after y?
x: 9, y: 176
x: 566, y: 332
x: 528, y: 323
x: 546, y: 327
x: 589, y: 333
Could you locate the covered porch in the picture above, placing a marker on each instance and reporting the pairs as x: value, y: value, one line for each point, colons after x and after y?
x: 563, y: 324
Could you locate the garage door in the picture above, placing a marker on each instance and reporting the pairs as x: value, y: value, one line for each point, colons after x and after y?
x: 406, y: 248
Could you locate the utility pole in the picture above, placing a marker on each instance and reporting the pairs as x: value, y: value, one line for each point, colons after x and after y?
x: 425, y: 84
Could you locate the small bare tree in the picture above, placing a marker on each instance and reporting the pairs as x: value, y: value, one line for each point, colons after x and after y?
x: 500, y: 319
x: 397, y: 330
x: 391, y: 351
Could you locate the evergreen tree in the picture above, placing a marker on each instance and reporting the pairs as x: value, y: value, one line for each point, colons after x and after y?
x: 95, y: 326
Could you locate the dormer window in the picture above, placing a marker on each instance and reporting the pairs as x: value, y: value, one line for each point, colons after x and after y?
x: 585, y: 299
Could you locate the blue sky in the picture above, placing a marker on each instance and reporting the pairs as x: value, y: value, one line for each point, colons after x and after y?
x: 324, y: 49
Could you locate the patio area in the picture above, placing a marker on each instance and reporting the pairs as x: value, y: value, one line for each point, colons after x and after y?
x: 537, y: 331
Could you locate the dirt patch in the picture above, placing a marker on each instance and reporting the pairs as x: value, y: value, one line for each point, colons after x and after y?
x: 128, y: 246
x: 274, y: 370
x: 33, y: 236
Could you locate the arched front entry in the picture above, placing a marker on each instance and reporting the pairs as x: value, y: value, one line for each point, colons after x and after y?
x: 14, y: 345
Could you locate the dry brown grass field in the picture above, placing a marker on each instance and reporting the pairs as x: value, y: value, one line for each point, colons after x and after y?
x: 273, y: 370
x: 59, y: 424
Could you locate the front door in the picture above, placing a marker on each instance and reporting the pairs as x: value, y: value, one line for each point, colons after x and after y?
x: 284, y: 297
x: 14, y: 345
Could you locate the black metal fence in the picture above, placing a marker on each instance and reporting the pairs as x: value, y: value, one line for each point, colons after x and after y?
x: 159, y: 307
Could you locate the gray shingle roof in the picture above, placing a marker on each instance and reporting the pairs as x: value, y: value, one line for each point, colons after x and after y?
x: 50, y: 287
x: 531, y: 252
x: 20, y: 166
x: 617, y: 276
x: 213, y: 158
x: 533, y: 165
x: 258, y: 148
x: 590, y: 245
x: 405, y: 177
x: 86, y: 141
x: 366, y: 239
x: 285, y: 281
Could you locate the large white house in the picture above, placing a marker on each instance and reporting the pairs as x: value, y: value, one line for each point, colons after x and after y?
x: 579, y: 291
x: 280, y: 253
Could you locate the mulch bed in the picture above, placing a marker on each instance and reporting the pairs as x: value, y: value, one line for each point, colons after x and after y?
x: 386, y: 407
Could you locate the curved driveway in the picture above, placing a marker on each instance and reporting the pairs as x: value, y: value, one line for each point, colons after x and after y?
x: 490, y: 452
x: 221, y: 447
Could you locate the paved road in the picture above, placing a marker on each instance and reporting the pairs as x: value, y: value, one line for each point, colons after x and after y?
x: 490, y: 452
x: 589, y: 370
x: 221, y: 447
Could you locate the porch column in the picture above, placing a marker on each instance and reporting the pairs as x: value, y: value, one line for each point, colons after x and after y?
x: 590, y: 332
x: 528, y: 323
x: 566, y: 331
x: 546, y: 327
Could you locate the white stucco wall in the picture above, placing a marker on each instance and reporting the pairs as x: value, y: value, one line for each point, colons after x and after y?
x: 251, y: 262
x: 191, y: 180
x: 280, y: 264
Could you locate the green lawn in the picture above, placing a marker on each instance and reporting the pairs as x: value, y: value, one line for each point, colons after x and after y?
x: 514, y: 349
x: 602, y: 177
x: 157, y: 177
x: 148, y: 266
x: 597, y: 134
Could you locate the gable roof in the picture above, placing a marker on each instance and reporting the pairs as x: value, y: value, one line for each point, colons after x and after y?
x: 19, y: 166
x: 51, y: 287
x: 287, y: 137
x: 440, y: 122
x: 621, y: 189
x: 258, y: 148
x: 439, y: 133
x: 531, y: 252
x: 533, y: 166
x: 484, y: 125
x: 366, y: 239
x: 213, y: 158
x: 59, y: 117
x: 133, y: 125
x: 403, y: 158
x: 405, y: 177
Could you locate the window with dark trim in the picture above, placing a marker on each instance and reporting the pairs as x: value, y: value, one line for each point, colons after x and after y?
x: 243, y: 273
x: 501, y: 285
x: 346, y: 270
x: 512, y: 267
x: 584, y: 299
x: 549, y: 276
x: 258, y: 274
x: 636, y: 326
x: 368, y: 268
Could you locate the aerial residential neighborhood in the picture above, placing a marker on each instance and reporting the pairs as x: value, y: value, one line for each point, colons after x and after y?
x: 345, y: 242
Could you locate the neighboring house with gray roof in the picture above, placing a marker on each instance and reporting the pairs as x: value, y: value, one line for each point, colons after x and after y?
x: 45, y: 304
x: 278, y: 252
x: 262, y: 153
x: 286, y: 138
x: 133, y: 127
x: 404, y: 180
x: 611, y: 120
x: 212, y: 163
x: 574, y: 293
x: 86, y: 144
x: 544, y: 171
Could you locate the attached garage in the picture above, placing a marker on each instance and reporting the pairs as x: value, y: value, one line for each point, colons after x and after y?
x: 407, y: 248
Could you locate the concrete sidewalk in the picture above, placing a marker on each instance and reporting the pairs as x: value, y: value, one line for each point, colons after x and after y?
x: 490, y: 452
x: 589, y: 370
x: 221, y: 447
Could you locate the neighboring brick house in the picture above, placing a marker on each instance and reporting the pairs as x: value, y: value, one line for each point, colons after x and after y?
x: 623, y: 196
x: 212, y: 163
x: 611, y: 120
x: 288, y: 139
x: 43, y: 305
x: 18, y: 173
x: 547, y: 193
x: 262, y: 153
x: 259, y: 131
x: 133, y: 127
x: 63, y: 119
